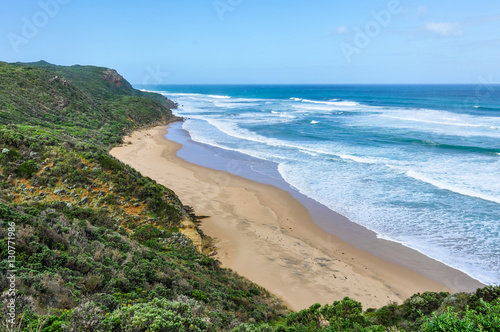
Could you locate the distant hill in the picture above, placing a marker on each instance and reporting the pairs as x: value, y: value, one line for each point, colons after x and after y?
x: 88, y: 102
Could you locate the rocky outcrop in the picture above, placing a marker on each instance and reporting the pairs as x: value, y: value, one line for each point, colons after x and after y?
x: 170, y: 104
x: 113, y: 77
x: 62, y: 80
x: 189, y: 229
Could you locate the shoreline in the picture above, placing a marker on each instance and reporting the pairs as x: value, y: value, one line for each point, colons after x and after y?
x: 269, y: 236
x: 332, y: 222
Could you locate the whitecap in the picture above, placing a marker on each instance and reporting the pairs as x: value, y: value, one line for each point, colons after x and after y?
x: 447, y: 186
x: 365, y: 160
x: 219, y: 97
x: 334, y: 103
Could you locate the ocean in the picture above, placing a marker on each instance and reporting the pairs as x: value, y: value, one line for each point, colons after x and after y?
x: 417, y: 164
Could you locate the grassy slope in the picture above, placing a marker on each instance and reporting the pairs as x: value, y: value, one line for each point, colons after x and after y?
x: 97, y: 248
x: 93, y: 236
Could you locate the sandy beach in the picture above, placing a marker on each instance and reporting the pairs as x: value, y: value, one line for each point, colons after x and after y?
x: 266, y: 235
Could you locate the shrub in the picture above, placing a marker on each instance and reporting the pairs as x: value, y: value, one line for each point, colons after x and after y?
x: 307, y: 316
x: 108, y: 162
x: 200, y: 295
x: 165, y: 210
x: 470, y: 322
x: 146, y: 232
x: 157, y: 315
x: 489, y: 293
x: 13, y: 155
x: 387, y: 315
x: 345, y: 314
x: 27, y: 169
x: 422, y: 304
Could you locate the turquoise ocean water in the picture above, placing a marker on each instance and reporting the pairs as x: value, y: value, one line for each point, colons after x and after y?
x: 417, y: 164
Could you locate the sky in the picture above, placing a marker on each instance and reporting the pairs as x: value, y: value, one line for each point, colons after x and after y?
x: 261, y: 41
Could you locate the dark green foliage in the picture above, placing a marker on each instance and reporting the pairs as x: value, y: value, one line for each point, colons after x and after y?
x: 199, y: 295
x: 347, y: 315
x: 27, y: 169
x: 489, y: 293
x: 344, y: 315
x: 146, y: 232
x: 108, y: 162
x: 164, y: 210
x: 422, y: 304
x: 388, y: 315
x: 309, y: 317
x: 89, y: 269
x: 12, y: 155
x: 468, y: 321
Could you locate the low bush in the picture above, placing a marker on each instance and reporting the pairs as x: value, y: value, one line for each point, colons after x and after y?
x: 27, y: 169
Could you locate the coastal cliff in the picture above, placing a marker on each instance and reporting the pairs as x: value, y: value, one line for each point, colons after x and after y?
x: 93, y: 236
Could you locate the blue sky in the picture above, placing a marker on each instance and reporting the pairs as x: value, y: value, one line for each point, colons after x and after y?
x: 257, y: 41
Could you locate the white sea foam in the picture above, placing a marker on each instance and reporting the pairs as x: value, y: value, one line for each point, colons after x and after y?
x: 447, y: 186
x: 447, y: 123
x: 181, y: 94
x: 432, y: 121
x: 327, y: 109
x: 393, y: 189
x: 426, y: 232
x: 365, y: 160
x: 193, y: 95
x: 283, y: 115
x: 160, y: 92
x: 334, y: 103
x: 308, y: 152
x: 225, y: 105
x: 234, y: 131
x: 219, y: 97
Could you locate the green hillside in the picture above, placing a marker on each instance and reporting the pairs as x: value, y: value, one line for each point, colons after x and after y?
x: 93, y: 236
x: 96, y: 246
x: 91, y: 103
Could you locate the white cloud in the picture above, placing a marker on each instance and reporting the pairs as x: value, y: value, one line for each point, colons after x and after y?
x: 342, y: 30
x: 444, y: 29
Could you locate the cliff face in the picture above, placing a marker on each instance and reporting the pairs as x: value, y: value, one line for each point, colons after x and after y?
x: 112, y: 76
x: 170, y: 104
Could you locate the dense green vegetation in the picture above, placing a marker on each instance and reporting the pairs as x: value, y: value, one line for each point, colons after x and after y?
x: 93, y: 236
x: 98, y: 247
x: 71, y: 265
x: 91, y: 103
x: 427, y: 312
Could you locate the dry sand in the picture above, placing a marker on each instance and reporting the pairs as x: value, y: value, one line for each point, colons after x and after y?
x: 266, y: 235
